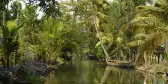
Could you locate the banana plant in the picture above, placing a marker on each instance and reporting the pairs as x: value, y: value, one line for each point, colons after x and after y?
x: 9, y: 42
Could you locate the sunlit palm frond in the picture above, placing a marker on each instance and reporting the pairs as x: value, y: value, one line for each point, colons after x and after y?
x: 135, y: 43
x: 146, y: 10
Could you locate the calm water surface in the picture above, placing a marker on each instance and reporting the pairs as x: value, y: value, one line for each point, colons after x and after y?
x: 93, y: 72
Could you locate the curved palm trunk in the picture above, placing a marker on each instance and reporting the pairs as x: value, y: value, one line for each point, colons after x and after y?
x: 106, y: 74
x: 106, y: 53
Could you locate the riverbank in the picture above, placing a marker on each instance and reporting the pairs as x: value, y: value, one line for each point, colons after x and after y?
x: 27, y: 72
x: 159, y: 70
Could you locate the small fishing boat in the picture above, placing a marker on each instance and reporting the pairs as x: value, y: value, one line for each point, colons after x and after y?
x: 121, y: 64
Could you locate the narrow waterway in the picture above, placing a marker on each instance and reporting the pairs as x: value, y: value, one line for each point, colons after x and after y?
x: 94, y: 72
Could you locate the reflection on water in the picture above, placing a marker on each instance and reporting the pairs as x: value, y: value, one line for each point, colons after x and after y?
x: 93, y: 72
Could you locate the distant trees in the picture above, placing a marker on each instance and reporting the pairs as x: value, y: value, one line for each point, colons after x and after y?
x: 50, y: 7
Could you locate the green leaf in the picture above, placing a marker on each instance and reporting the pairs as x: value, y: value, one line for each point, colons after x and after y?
x: 51, y: 35
x: 119, y: 39
x: 5, y: 31
x: 11, y: 24
x: 100, y: 1
x: 98, y: 44
x: 97, y: 22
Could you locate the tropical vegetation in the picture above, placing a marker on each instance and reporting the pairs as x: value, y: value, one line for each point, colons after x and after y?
x: 55, y: 32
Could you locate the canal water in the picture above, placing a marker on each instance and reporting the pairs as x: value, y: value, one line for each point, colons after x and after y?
x: 94, y: 72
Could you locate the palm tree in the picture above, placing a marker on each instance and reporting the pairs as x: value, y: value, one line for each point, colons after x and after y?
x: 49, y: 35
x: 117, y: 37
x: 151, y: 21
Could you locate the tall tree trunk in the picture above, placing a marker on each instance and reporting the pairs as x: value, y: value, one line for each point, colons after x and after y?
x: 166, y: 47
x: 17, y: 37
x: 5, y: 40
x: 7, y: 59
x: 139, y: 60
x: 96, y: 27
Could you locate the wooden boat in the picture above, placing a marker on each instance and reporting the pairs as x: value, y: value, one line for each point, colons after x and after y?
x: 121, y: 64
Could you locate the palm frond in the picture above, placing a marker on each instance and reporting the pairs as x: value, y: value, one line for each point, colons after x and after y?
x: 154, y: 21
x: 146, y: 10
x: 135, y: 43
x: 13, y: 32
x: 140, y: 36
x: 161, y: 3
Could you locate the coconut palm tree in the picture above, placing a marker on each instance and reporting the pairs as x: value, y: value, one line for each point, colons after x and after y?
x: 117, y: 37
x: 151, y: 22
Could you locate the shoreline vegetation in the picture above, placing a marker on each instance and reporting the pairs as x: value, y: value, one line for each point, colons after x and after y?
x: 159, y: 70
